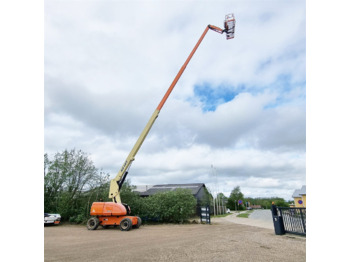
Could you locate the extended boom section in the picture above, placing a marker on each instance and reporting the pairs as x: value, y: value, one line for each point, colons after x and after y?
x: 116, y: 213
x: 117, y: 182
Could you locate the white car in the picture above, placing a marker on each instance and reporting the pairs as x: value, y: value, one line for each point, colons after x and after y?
x: 52, y: 218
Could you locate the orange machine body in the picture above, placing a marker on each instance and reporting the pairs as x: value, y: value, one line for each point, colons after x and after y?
x: 110, y: 213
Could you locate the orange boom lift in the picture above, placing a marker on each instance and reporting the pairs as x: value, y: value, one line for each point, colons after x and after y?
x: 116, y: 212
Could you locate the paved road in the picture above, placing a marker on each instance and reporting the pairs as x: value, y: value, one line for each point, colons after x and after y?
x: 259, y: 218
x: 262, y: 214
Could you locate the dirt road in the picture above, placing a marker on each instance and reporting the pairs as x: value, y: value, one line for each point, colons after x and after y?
x: 224, y: 240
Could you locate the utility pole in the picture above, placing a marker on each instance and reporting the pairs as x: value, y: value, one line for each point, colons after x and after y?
x: 223, y: 205
x: 217, y: 192
x: 212, y: 169
x: 216, y: 200
x: 214, y: 204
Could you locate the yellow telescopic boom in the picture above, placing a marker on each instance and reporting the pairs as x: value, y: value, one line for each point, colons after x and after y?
x: 117, y: 182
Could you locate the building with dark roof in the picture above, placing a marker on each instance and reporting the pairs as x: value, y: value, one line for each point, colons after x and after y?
x: 198, y: 190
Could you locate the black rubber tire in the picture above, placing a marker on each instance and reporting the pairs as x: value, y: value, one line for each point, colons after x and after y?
x: 125, y: 224
x: 139, y: 222
x: 92, y: 223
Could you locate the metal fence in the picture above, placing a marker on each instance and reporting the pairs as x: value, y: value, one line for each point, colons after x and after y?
x: 294, y: 220
x: 289, y: 220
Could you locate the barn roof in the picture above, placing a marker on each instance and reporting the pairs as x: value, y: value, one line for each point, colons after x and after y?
x: 170, y: 187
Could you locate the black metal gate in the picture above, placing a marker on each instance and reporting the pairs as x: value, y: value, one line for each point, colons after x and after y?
x: 289, y: 220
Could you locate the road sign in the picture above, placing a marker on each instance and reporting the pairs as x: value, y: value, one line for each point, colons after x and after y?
x: 240, y: 202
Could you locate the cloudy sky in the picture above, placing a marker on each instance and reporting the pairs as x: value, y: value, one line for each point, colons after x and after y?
x: 237, y: 116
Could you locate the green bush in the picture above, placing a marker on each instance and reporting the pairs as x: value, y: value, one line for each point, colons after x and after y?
x: 172, y: 206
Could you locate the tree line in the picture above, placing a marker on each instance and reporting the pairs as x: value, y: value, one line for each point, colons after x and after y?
x: 237, y: 201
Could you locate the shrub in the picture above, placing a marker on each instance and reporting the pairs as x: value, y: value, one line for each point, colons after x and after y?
x: 172, y: 206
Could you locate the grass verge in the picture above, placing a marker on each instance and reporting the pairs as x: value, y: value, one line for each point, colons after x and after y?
x: 246, y: 214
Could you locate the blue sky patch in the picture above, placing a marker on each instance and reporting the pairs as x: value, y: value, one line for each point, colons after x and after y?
x: 213, y: 96
x: 284, y: 86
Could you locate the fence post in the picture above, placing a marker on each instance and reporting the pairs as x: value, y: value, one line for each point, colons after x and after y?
x: 302, y: 220
x: 277, y: 221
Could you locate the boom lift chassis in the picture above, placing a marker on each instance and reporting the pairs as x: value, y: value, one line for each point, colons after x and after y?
x: 116, y: 213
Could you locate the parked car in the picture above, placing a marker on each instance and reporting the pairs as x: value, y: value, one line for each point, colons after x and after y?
x: 52, y: 218
x: 228, y: 211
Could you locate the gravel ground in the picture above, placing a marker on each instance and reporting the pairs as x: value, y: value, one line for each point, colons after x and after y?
x: 223, y: 240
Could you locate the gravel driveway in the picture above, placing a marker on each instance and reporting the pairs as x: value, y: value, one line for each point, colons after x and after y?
x: 223, y: 240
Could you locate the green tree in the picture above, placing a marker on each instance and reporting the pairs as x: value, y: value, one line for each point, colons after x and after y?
x: 232, y: 202
x: 67, y: 178
x: 280, y: 202
x: 266, y: 202
x: 221, y: 197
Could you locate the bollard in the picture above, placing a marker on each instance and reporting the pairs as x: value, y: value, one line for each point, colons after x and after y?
x: 277, y: 221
